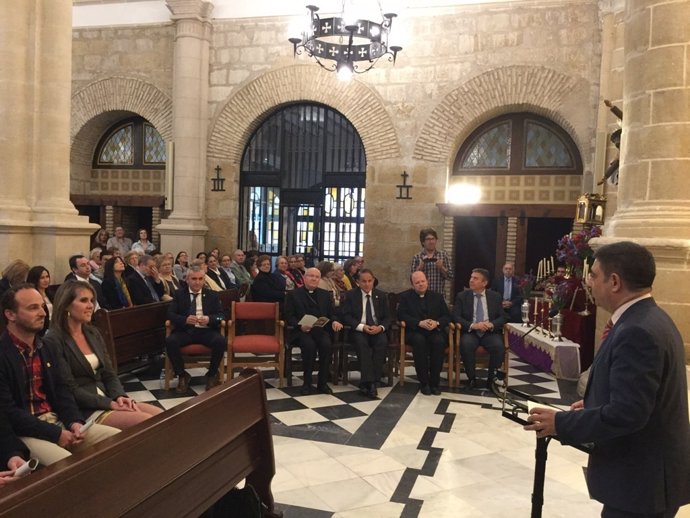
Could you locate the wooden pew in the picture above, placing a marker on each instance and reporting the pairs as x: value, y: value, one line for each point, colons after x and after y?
x: 130, y: 333
x: 176, y: 464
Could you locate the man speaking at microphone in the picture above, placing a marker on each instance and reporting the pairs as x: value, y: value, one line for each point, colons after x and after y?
x: 635, y: 410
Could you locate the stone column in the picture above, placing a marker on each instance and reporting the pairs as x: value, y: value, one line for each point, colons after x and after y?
x: 185, y: 228
x: 37, y: 221
x: 654, y: 186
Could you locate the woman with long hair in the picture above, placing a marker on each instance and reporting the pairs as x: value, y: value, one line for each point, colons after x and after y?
x: 39, y: 278
x: 14, y: 273
x: 87, y: 368
x: 181, y: 265
x: 100, y: 240
x: 115, y: 290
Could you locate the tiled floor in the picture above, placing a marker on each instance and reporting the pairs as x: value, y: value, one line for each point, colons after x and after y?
x: 408, y: 455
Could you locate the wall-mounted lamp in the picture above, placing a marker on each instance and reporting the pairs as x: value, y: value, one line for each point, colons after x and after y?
x: 218, y: 181
x: 463, y: 194
x: 590, y: 209
x: 403, y: 188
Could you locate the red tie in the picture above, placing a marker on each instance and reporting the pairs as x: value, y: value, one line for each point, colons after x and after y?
x: 607, y: 329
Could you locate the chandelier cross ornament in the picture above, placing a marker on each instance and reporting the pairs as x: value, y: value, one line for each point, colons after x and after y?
x: 343, y: 46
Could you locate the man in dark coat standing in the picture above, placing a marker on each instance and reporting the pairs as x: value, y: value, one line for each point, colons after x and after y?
x: 426, y: 317
x: 480, y: 313
x: 312, y: 300
x: 509, y: 287
x: 635, y: 410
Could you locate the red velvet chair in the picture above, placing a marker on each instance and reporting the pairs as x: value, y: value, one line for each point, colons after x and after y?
x: 256, y: 338
x: 193, y: 355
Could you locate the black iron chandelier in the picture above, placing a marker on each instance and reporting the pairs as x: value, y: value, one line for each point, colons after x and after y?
x: 346, y: 46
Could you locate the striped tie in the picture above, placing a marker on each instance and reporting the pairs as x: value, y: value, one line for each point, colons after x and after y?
x: 607, y: 329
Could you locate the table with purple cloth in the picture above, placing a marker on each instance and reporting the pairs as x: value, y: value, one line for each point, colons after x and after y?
x: 560, y: 358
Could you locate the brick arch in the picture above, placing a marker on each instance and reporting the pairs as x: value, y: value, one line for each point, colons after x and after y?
x: 540, y: 90
x: 245, y: 110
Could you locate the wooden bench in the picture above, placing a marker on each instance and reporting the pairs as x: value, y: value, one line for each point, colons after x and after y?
x: 132, y: 333
x: 178, y: 463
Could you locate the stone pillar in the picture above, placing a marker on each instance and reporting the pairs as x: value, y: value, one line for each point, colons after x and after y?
x: 184, y: 229
x: 37, y: 221
x: 654, y: 186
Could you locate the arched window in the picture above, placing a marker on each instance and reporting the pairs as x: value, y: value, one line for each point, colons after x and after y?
x: 131, y: 143
x: 302, y: 182
x: 518, y: 144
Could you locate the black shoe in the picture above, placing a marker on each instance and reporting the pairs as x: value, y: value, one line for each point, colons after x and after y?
x: 212, y: 381
x: 372, y: 392
x: 424, y: 389
x: 436, y: 391
x: 306, y: 390
x: 324, y: 389
x: 183, y: 383
x: 472, y: 383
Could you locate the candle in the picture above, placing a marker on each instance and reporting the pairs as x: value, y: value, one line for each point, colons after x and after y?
x: 552, y: 268
x: 539, y: 270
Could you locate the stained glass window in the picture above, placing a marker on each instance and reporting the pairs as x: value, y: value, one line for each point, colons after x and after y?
x: 543, y: 148
x: 118, y: 149
x: 491, y: 149
x: 154, y: 146
x: 518, y: 144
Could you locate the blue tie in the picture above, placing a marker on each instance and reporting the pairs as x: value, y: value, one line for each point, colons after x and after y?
x: 507, y: 289
x: 479, y: 312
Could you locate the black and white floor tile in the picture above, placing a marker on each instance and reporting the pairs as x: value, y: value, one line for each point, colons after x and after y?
x: 405, y: 454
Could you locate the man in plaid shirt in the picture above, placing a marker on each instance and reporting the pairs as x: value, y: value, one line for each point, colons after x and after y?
x: 434, y: 263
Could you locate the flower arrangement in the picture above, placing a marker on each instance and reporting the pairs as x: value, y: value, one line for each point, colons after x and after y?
x: 573, y: 249
x: 526, y: 285
x: 560, y: 294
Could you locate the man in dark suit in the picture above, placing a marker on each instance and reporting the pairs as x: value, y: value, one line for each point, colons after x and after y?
x: 144, y: 283
x: 426, y: 318
x: 366, y: 312
x: 480, y: 313
x: 196, y: 314
x: 312, y: 300
x: 81, y: 271
x: 33, y: 394
x: 508, y: 286
x: 635, y: 409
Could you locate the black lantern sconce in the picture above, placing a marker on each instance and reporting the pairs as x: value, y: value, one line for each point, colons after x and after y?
x: 403, y: 188
x: 218, y: 181
x: 590, y: 209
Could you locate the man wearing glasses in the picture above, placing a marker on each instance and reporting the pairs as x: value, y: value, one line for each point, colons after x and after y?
x: 434, y: 263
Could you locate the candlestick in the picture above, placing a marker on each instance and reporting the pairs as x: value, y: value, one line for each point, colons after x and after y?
x: 552, y: 268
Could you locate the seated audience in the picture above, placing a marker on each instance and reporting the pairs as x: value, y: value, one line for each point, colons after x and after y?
x: 13, y: 452
x: 339, y: 279
x: 238, y: 269
x: 282, y: 273
x: 366, y: 311
x: 100, y: 240
x: 115, y: 290
x: 215, y: 272
x: 215, y: 252
x: 311, y: 300
x: 509, y: 287
x: 225, y: 264
x: 296, y: 264
x: 39, y: 278
x: 33, y: 393
x: 96, y: 262
x: 14, y: 274
x: 195, y: 313
x: 202, y: 256
x: 266, y: 286
x: 327, y: 283
x: 143, y: 246
x: 81, y: 271
x: 480, y: 313
x: 144, y: 283
x: 165, y: 271
x: 426, y: 318
x: 181, y: 265
x: 351, y: 271
x: 87, y: 369
x: 119, y: 241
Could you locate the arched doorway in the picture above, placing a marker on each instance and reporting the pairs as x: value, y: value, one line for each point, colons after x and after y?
x: 302, y: 184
